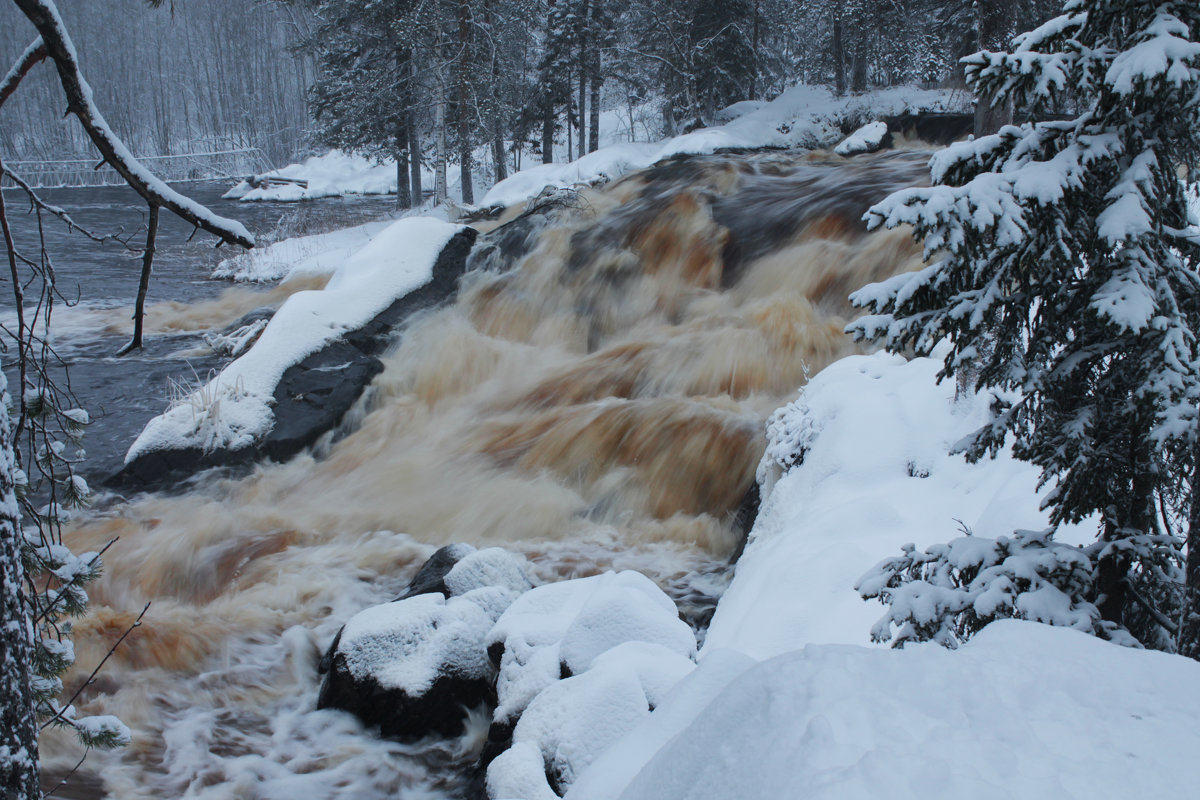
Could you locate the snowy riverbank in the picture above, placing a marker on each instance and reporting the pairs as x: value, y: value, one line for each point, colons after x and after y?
x: 801, y: 116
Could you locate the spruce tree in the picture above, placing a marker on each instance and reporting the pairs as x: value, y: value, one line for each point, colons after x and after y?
x: 1063, y: 273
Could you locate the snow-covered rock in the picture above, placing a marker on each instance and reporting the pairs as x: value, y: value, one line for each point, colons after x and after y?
x: 869, y: 138
x: 562, y: 627
x: 309, y: 364
x: 413, y: 666
x: 298, y: 256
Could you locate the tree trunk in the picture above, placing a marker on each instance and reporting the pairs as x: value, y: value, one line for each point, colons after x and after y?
x: 1189, y: 630
x: 414, y: 162
x: 548, y: 132
x: 464, y: 122
x: 19, y: 778
x: 440, y: 143
x: 995, y: 24
x: 839, y: 58
x: 595, y: 67
x: 403, y: 195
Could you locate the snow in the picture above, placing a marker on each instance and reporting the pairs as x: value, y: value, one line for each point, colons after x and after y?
x: 408, y: 643
x: 299, y: 256
x: 789, y: 699
x: 1023, y: 710
x: 493, y: 566
x: 866, y: 139
x: 233, y: 409
x: 800, y: 116
x: 332, y: 174
x: 574, y: 622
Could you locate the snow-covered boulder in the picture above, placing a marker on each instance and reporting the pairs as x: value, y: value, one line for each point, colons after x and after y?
x: 581, y: 663
x: 310, y: 363
x: 573, y: 721
x: 868, y: 139
x: 413, y: 666
x: 558, y: 629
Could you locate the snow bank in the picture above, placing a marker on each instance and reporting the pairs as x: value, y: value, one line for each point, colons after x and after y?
x: 330, y: 175
x: 298, y: 256
x: 873, y: 435
x: 803, y: 115
x: 1023, y: 710
x: 233, y: 410
x: 789, y: 699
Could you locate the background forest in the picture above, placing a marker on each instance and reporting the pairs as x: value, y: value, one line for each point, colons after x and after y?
x: 480, y: 84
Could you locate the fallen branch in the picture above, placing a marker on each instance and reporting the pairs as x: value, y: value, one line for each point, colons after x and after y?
x: 139, y: 307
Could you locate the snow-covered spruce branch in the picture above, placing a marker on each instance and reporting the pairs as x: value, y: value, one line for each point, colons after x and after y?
x: 950, y: 591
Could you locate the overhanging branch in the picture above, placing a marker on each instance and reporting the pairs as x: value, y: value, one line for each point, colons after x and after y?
x: 32, y: 55
x: 44, y: 16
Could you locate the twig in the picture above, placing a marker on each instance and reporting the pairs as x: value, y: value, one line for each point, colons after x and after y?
x: 91, y: 677
x: 67, y: 777
x: 72, y: 225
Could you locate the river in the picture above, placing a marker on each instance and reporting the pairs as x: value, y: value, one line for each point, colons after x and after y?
x: 599, y: 406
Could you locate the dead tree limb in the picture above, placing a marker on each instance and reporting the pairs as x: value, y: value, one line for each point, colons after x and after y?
x: 32, y: 55
x: 139, y: 307
x: 45, y: 17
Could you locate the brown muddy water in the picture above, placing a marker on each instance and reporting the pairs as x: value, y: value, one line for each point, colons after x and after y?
x: 599, y: 406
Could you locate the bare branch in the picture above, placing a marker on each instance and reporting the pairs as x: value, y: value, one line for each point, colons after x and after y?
x: 139, y: 307
x: 44, y: 16
x: 56, y: 211
x: 32, y: 55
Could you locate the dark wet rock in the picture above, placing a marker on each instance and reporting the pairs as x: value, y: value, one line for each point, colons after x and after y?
x: 500, y: 249
x: 313, y: 395
x: 932, y: 127
x: 431, y: 577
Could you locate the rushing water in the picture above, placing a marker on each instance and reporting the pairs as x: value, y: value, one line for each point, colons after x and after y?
x: 600, y: 406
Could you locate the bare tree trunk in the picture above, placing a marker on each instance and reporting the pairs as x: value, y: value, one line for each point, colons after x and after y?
x: 839, y: 56
x: 1189, y: 630
x: 596, y: 69
x: 414, y: 162
x: 403, y: 195
x: 19, y: 777
x: 754, y: 47
x: 464, y: 126
x: 995, y: 25
x: 548, y: 132
x: 440, y: 144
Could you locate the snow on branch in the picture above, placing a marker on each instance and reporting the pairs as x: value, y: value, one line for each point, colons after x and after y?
x: 32, y: 55
x: 45, y: 17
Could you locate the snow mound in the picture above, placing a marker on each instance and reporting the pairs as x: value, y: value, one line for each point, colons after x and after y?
x: 493, y: 566
x: 233, y: 410
x: 571, y: 623
x: 330, y: 175
x: 867, y: 139
x: 1023, y: 710
x: 801, y: 116
x: 299, y: 256
x: 574, y: 720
